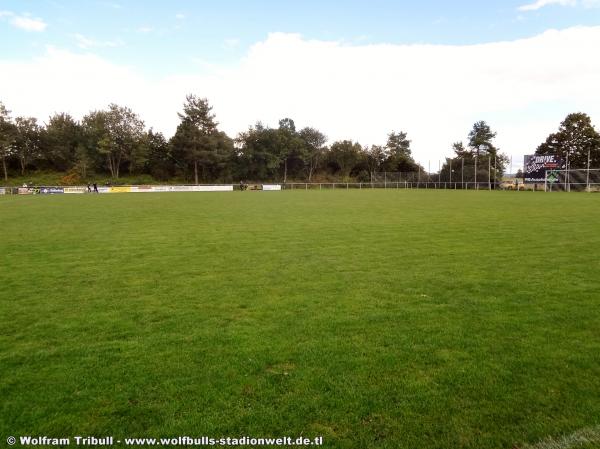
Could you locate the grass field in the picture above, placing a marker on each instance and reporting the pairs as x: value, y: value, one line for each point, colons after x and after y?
x: 388, y: 319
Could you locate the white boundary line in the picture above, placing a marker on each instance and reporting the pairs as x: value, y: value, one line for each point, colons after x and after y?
x: 579, y: 438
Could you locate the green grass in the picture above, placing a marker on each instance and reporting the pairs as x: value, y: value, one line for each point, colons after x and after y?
x: 388, y: 319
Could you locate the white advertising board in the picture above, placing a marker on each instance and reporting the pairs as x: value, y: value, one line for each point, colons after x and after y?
x: 75, y: 189
x: 160, y: 189
x: 141, y: 189
x: 191, y: 188
x: 213, y: 188
x: 271, y: 187
x: 122, y: 189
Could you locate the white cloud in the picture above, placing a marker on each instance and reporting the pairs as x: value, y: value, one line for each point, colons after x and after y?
x: 145, y: 29
x: 86, y: 43
x: 541, y: 3
x: 435, y: 93
x: 29, y: 24
x: 180, y: 16
x: 24, y: 22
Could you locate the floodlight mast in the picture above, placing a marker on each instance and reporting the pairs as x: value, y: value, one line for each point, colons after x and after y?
x: 567, y: 180
x: 481, y: 147
x: 587, y: 180
x: 476, y: 185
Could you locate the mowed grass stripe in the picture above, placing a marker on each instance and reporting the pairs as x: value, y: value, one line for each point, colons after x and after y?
x: 374, y: 318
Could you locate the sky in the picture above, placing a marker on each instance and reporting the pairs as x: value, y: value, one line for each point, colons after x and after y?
x: 354, y: 69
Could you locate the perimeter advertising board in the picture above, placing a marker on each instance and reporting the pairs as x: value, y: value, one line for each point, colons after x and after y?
x: 75, y: 190
x: 221, y: 188
x: 52, y: 190
x: 141, y: 189
x: 121, y: 189
x: 213, y: 188
x: 271, y: 187
x: 536, y: 167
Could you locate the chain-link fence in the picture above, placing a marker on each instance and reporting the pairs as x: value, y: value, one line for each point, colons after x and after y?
x: 390, y: 185
x: 579, y: 180
x: 466, y: 177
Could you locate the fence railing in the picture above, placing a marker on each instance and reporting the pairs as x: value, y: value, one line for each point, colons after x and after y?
x: 579, y: 180
x: 391, y: 185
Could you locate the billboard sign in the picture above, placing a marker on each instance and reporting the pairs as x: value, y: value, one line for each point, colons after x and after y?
x: 217, y: 188
x: 271, y: 187
x: 141, y: 189
x: 536, y: 167
x: 213, y: 189
x: 74, y: 190
x: 52, y: 190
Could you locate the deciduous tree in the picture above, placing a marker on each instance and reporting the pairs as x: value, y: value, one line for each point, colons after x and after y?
x: 375, y: 158
x: 312, y: 149
x: 258, y: 152
x: 576, y: 137
x: 8, y: 134
x: 344, y: 156
x: 28, y: 141
x: 62, y: 137
x: 117, y: 135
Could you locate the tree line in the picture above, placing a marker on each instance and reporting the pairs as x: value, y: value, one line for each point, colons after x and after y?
x: 116, y: 140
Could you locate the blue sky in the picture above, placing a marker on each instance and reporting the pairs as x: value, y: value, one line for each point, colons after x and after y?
x: 354, y: 69
x: 160, y: 37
